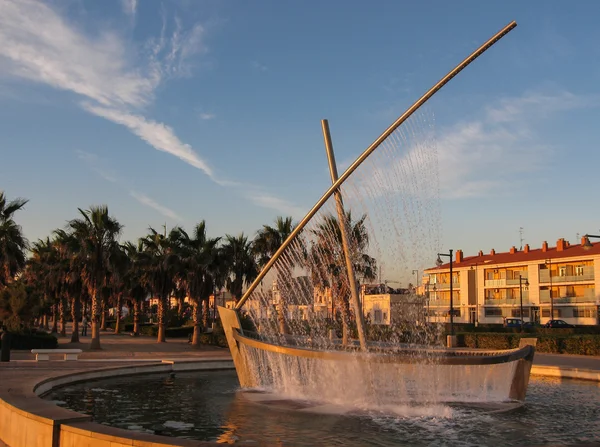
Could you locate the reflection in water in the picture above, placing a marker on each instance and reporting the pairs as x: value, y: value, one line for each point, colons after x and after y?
x: 208, y: 406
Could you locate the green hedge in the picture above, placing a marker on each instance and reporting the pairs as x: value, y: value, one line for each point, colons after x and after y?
x: 555, y: 343
x: 39, y: 340
x: 463, y: 327
x: 172, y: 332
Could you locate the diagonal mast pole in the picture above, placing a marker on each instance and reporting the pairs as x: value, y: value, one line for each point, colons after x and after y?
x: 345, y: 243
x: 412, y: 109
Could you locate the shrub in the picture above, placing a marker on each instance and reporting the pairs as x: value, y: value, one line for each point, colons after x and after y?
x: 553, y: 343
x: 172, y: 332
x: 37, y: 340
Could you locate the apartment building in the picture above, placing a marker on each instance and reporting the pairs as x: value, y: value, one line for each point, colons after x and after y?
x: 561, y: 281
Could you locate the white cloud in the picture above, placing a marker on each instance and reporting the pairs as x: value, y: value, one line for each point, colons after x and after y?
x: 129, y: 7
x: 96, y: 164
x: 145, y: 200
x: 490, y: 154
x: 115, y: 79
x: 207, y: 116
x: 258, y: 66
x: 158, y: 135
x: 266, y: 200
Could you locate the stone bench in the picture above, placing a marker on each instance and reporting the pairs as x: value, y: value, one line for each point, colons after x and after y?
x: 44, y: 354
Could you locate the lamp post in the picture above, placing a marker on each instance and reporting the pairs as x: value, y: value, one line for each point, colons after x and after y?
x: 439, y: 264
x: 549, y: 262
x: 587, y: 245
x: 521, y: 298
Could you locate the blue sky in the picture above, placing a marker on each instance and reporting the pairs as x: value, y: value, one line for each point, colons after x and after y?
x: 176, y: 111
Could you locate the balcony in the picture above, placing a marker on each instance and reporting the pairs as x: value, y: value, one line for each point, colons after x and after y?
x: 588, y: 275
x: 589, y: 296
x: 441, y: 302
x: 506, y: 302
x: 445, y: 286
x: 503, y: 282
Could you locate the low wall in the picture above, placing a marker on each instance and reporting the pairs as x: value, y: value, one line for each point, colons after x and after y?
x: 566, y: 373
x: 26, y: 420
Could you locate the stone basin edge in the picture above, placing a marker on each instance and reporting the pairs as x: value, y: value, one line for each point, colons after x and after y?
x: 26, y: 420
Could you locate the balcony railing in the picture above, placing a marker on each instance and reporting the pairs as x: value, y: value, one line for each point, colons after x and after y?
x: 588, y: 275
x: 504, y: 282
x: 441, y: 302
x: 505, y: 301
x: 445, y: 286
x: 589, y: 296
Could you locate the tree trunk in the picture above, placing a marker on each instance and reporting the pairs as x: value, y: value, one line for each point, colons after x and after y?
x: 96, y: 309
x: 63, y: 316
x: 205, y: 314
x: 162, y: 310
x: 45, y: 325
x: 54, y: 318
x: 197, y: 316
x: 119, y: 313
x: 136, y: 317
x: 104, y: 312
x: 76, y: 315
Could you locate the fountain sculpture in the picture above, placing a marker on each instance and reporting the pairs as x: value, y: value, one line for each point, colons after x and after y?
x: 307, y: 336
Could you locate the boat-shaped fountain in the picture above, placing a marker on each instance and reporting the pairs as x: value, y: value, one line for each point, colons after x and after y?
x: 307, y: 337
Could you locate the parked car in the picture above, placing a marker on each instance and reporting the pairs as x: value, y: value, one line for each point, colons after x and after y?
x: 512, y: 322
x: 531, y: 324
x: 558, y: 324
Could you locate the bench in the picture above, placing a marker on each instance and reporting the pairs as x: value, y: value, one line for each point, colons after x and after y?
x: 44, y: 354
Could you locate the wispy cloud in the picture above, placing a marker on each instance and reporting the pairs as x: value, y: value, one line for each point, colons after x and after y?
x: 157, y: 135
x: 481, y: 157
x: 113, y: 78
x: 129, y: 7
x: 258, y: 66
x: 100, y: 167
x: 207, y: 116
x: 145, y: 200
x: 94, y: 162
x: 267, y: 200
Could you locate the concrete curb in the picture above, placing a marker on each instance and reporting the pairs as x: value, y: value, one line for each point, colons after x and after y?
x: 566, y: 373
x: 27, y: 420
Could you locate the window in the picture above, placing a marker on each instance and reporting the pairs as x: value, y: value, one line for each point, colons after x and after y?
x: 493, y: 312
x: 517, y: 313
x: 584, y: 312
x: 562, y: 271
x: 546, y: 313
x: 377, y: 317
x: 579, y: 270
x: 385, y: 317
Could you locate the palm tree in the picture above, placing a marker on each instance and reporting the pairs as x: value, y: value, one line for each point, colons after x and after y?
x: 133, y: 278
x: 13, y: 244
x: 242, y: 270
x: 161, y: 265
x: 97, y: 234
x: 266, y: 243
x: 327, y: 261
x: 199, y: 257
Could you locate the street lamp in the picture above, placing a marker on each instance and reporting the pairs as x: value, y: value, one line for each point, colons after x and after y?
x: 587, y: 245
x: 439, y: 264
x: 526, y: 281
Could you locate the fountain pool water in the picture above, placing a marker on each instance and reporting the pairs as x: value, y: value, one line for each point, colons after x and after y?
x: 210, y: 406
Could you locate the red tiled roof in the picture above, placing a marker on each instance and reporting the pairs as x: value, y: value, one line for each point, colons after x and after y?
x: 571, y: 251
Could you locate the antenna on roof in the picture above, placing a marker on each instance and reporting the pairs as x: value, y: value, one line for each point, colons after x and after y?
x: 521, y: 237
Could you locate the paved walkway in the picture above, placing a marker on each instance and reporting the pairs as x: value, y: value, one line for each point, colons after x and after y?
x: 124, y: 346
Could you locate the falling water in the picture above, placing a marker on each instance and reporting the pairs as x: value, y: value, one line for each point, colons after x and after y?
x: 394, y: 226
